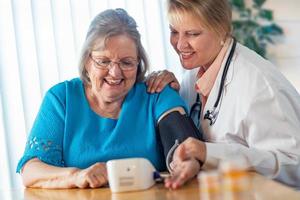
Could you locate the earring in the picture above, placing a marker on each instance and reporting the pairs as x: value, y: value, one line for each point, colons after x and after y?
x: 222, y: 43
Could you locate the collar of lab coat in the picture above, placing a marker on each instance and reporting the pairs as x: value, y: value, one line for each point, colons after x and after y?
x: 207, y: 77
x: 229, y: 75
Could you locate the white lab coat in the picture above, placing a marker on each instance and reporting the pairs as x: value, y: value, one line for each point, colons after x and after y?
x: 259, y: 117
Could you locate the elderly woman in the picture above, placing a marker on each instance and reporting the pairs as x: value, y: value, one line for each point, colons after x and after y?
x: 106, y: 114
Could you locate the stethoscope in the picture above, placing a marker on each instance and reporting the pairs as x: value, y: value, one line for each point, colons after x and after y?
x: 213, y: 114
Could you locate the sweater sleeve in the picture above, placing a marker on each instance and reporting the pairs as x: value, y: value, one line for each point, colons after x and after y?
x: 46, y: 136
x: 167, y: 100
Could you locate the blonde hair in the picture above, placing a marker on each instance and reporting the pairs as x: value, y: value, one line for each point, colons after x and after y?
x: 214, y: 14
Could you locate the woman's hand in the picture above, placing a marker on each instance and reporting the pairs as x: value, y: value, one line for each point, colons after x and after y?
x: 156, y: 81
x: 94, y: 176
x: 37, y: 174
x: 183, y: 169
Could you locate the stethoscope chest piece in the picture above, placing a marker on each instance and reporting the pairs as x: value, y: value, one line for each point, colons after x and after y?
x: 211, y: 116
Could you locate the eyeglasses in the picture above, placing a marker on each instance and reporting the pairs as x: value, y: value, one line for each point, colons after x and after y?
x: 124, y: 64
x: 196, y: 111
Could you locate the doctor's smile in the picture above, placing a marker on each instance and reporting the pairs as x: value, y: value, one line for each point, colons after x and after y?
x: 186, y: 55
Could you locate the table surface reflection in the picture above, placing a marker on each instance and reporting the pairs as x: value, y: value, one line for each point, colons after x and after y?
x: 262, y: 188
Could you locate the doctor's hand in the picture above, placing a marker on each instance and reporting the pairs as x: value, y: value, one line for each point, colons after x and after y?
x: 183, y: 168
x: 92, y: 177
x: 193, y: 148
x: 156, y: 81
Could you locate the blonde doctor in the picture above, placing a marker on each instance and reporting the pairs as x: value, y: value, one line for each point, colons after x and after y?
x: 248, y: 109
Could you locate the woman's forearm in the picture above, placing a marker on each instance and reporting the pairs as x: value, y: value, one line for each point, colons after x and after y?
x: 38, y: 174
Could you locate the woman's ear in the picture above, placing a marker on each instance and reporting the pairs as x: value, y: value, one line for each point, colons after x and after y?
x: 87, y: 67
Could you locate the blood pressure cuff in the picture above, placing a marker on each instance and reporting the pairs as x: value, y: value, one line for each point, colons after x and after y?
x: 175, y: 126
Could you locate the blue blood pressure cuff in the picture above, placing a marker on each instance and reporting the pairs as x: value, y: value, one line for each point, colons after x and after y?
x: 173, y: 129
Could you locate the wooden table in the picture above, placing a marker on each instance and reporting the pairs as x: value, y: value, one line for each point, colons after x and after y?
x: 262, y: 188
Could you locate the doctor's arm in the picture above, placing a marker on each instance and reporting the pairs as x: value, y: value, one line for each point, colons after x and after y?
x: 273, y: 125
x: 267, y: 137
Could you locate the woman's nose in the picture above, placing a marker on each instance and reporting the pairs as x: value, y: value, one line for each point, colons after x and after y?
x: 182, y: 43
x: 115, y: 70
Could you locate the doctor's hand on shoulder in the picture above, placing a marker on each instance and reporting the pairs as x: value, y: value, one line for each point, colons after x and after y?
x: 156, y: 81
